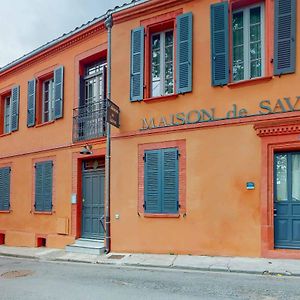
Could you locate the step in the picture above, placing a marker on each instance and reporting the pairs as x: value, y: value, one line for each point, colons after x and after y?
x: 85, y: 249
x: 89, y: 242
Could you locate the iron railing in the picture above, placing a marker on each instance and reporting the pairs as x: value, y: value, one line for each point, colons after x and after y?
x: 89, y: 121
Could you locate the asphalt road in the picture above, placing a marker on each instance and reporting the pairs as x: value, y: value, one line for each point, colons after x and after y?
x: 49, y: 280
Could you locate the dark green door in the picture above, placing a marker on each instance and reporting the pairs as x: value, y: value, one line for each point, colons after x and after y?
x: 92, y: 204
x: 287, y: 200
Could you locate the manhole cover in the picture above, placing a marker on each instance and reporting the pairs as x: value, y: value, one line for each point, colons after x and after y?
x: 16, y: 274
x: 115, y: 256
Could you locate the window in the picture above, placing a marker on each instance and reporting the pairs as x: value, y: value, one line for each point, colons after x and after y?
x: 48, y: 100
x: 4, y: 189
x: 162, y: 63
x: 161, y: 192
x: 161, y: 57
x: 45, y: 98
x: 248, y: 43
x: 9, y: 110
x: 43, y: 186
x: 245, y: 53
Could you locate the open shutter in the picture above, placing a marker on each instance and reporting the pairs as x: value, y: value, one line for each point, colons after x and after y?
x: 31, y: 103
x: 15, y: 100
x: 5, y: 189
x: 58, y: 92
x: 47, y: 185
x: 219, y: 44
x: 137, y: 64
x: 152, y: 185
x: 285, y: 37
x: 170, y: 200
x: 184, y: 53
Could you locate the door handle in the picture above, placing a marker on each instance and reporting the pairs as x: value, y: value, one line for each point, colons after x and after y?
x: 83, y: 200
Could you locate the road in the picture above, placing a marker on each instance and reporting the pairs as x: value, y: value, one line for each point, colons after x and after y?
x: 50, y: 280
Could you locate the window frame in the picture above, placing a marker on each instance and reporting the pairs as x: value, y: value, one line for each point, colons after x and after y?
x: 50, y: 102
x: 5, y: 115
x: 246, y: 42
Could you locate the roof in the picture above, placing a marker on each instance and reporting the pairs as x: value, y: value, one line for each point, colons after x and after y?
x: 72, y: 32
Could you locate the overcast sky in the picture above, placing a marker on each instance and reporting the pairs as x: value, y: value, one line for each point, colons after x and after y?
x: 27, y: 24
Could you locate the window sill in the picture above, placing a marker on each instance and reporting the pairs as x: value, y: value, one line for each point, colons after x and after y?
x: 5, y: 134
x: 249, y: 82
x: 44, y: 124
x: 161, y: 98
x: 5, y: 211
x: 162, y: 216
x: 42, y: 212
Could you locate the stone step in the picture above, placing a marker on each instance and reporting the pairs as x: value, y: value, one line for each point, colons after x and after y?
x: 89, y: 242
x: 87, y: 246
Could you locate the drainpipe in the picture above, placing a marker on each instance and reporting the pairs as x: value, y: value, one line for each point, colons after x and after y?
x: 108, y: 24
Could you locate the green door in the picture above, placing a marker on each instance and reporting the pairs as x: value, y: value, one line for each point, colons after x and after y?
x: 92, y: 204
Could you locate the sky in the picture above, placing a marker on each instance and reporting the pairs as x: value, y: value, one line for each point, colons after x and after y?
x: 27, y: 24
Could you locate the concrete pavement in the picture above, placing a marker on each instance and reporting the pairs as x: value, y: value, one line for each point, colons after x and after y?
x: 185, y: 262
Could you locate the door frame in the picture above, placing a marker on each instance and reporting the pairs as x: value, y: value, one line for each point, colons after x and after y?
x: 277, y: 136
x: 76, y: 208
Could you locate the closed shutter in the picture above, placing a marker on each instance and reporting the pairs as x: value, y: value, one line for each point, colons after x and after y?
x: 219, y: 44
x: 5, y: 189
x: 58, y: 92
x: 15, y: 100
x: 170, y: 181
x: 31, y: 95
x: 43, y: 186
x: 152, y: 181
x: 184, y: 53
x: 137, y: 64
x: 285, y: 37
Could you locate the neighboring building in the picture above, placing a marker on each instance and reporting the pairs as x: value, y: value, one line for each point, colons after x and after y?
x: 206, y: 160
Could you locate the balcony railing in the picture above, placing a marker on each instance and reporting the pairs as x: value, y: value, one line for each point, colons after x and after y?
x: 89, y: 121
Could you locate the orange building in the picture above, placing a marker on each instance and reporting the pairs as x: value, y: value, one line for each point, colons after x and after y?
x: 206, y: 159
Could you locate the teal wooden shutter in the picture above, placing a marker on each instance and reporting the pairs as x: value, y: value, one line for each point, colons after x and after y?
x: 15, y: 102
x: 137, y: 64
x: 219, y: 44
x: 152, y: 187
x: 170, y: 200
x: 43, y: 186
x: 58, y: 92
x: 5, y: 189
x: 31, y: 92
x: 184, y: 53
x: 285, y: 37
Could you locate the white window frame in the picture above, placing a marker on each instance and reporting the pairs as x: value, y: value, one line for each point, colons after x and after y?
x: 162, y: 62
x: 246, y: 33
x: 9, y: 114
x: 50, y: 102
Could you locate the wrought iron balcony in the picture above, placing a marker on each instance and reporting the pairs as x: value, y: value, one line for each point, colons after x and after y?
x: 89, y: 121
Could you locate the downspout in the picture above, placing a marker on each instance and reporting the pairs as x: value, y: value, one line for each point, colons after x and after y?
x: 108, y: 24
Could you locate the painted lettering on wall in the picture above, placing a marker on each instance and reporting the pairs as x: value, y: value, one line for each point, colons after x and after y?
x: 265, y: 107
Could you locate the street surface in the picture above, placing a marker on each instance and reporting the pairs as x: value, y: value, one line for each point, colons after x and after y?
x: 29, y: 279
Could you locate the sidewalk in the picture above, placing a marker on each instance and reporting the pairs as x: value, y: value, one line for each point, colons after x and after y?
x: 184, y: 262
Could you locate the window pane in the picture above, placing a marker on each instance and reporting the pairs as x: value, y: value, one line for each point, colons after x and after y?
x: 155, y: 63
x: 281, y: 177
x: 7, y: 115
x: 296, y: 177
x: 169, y: 84
x: 238, y: 46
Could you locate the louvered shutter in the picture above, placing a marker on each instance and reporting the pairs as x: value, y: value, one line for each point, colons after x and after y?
x: 43, y: 186
x: 219, y: 44
x: 137, y: 64
x: 152, y: 185
x: 184, y: 53
x: 5, y: 189
x: 31, y: 95
x: 58, y: 92
x: 170, y: 181
x: 15, y: 100
x: 285, y: 37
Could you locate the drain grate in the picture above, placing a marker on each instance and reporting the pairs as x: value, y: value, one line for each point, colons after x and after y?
x: 115, y: 256
x: 16, y: 274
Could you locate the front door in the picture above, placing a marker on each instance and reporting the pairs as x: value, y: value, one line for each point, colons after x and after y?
x: 287, y: 200
x: 93, y: 203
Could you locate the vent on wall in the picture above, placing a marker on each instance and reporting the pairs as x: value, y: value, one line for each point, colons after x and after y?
x: 41, y: 242
x: 2, y: 239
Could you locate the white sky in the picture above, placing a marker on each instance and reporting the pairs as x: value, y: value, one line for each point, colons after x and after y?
x: 27, y: 24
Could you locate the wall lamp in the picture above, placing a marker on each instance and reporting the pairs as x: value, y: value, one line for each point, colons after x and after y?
x: 86, y: 150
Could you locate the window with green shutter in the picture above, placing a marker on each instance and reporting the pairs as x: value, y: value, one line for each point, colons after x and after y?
x: 5, y: 188
x: 161, y: 181
x: 43, y: 186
